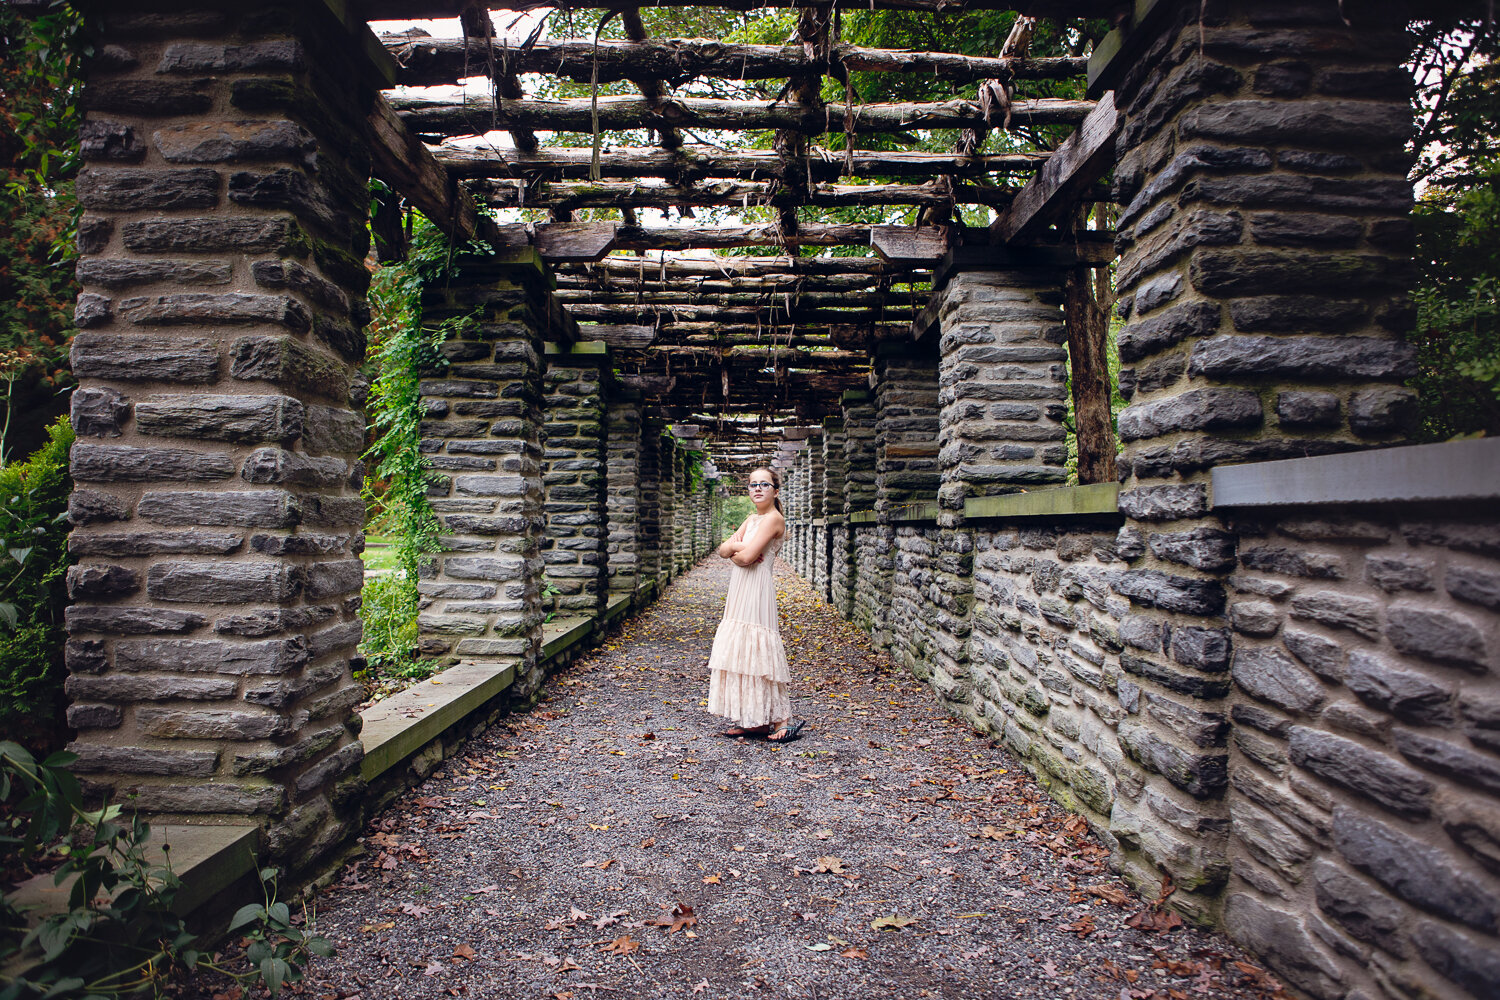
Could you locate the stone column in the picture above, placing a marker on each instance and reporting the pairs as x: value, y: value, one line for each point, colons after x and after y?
x: 626, y: 486
x: 651, y: 505
x: 667, y: 490
x: 864, y: 588
x: 815, y: 534
x: 682, y: 511
x: 1266, y: 251
x: 835, y: 554
x: 217, y: 515
x: 573, y: 477
x: 1001, y: 371
x: 483, y: 433
x: 906, y: 473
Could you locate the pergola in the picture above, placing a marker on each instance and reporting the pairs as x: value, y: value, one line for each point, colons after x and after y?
x: 711, y: 339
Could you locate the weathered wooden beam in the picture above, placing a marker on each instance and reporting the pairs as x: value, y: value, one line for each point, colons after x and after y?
x: 778, y: 299
x: 574, y: 242
x: 769, y: 316
x: 830, y: 234
x: 399, y: 158
x: 1087, y: 155
x: 617, y: 194
x: 690, y: 284
x: 912, y: 244
x: 667, y: 268
x: 403, y: 10
x: 427, y: 62
x: 477, y: 115
x: 699, y: 162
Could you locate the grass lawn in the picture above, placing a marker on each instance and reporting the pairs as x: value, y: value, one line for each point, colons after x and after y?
x: 379, y: 555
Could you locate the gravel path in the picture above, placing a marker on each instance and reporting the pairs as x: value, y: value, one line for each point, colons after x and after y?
x: 610, y: 844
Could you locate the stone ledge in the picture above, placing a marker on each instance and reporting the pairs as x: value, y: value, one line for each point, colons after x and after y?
x: 1455, y: 471
x: 617, y: 606
x: 560, y: 634
x: 401, y: 725
x: 1096, y: 498
x: 208, y: 860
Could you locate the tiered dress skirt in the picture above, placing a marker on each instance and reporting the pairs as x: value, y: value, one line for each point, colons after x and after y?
x: 748, y: 673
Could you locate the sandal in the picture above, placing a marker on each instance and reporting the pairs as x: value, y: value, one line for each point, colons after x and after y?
x: 788, y: 733
x: 740, y: 732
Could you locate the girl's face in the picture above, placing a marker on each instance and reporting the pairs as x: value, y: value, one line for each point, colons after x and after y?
x: 761, y: 487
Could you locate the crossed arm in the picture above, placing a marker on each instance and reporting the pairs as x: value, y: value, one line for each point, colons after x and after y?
x: 747, y: 551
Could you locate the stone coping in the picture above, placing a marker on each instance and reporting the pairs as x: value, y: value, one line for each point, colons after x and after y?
x: 1454, y: 471
x: 208, y: 860
x: 402, y: 724
x: 1095, y: 498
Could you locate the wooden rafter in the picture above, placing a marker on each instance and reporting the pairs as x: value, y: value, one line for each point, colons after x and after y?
x: 401, y: 10
x: 433, y: 61
x: 478, y: 115
x: 567, y: 195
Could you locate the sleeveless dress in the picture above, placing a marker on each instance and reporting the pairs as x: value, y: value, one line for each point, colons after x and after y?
x: 748, y: 673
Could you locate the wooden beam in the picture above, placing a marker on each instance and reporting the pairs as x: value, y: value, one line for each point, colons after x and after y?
x: 668, y: 268
x: 404, y: 10
x: 477, y: 115
x: 698, y: 162
x: 830, y: 234
x: 775, y: 299
x: 399, y: 159
x: 425, y: 61
x: 746, y: 315
x: 1087, y: 155
x: 622, y: 335
x: 575, y: 242
x: 912, y: 245
x: 734, y: 194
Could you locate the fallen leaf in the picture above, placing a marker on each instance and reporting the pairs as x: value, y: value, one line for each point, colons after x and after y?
x: 711, y: 880
x: 823, y: 834
x: 820, y: 946
x: 372, y: 928
x: 415, y: 909
x: 648, y: 842
x: 1150, y: 920
x: 678, y: 918
x: 433, y: 969
x: 465, y: 953
x: 1083, y: 926
x: 622, y: 945
x: 894, y: 922
x: 830, y: 865
x: 854, y: 953
x: 1110, y: 894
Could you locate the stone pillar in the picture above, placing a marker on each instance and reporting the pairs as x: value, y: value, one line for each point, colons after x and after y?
x: 573, y: 477
x: 651, y: 507
x: 835, y: 552
x: 626, y: 500
x: 815, y: 513
x: 667, y: 490
x: 682, y: 510
x: 1001, y: 370
x: 483, y: 433
x: 863, y: 589
x: 217, y: 515
x: 906, y: 473
x: 1266, y: 251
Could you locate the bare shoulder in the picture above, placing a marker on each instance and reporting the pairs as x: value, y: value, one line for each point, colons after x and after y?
x: 776, y: 519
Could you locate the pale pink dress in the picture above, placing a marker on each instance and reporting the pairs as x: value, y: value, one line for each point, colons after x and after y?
x: 748, y: 672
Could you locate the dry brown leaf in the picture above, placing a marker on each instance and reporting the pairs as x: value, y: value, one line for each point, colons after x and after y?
x: 1110, y: 894
x: 372, y: 928
x: 854, y: 953
x: 622, y: 945
x: 464, y: 953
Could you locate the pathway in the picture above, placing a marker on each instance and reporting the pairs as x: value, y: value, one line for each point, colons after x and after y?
x: 609, y: 844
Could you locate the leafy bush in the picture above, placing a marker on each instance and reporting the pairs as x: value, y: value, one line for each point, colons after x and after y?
x: 119, y: 935
x: 34, y: 532
x: 389, y: 611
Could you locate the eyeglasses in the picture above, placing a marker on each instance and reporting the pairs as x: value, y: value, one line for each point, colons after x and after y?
x: 760, y: 486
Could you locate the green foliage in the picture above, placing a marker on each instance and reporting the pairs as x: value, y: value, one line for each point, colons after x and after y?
x: 34, y: 530
x: 1458, y: 230
x: 402, y: 350
x: 40, y: 113
x: 118, y: 935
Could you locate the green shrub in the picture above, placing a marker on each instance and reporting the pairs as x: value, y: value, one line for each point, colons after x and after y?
x: 389, y: 611
x: 34, y: 532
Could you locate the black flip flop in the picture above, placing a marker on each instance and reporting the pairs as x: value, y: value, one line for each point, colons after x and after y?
x: 792, y: 733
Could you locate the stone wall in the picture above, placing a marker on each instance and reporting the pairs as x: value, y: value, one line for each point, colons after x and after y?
x: 217, y: 512
x: 573, y: 458
x: 626, y: 486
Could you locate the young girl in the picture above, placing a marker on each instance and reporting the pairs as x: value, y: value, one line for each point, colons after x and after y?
x: 748, y: 673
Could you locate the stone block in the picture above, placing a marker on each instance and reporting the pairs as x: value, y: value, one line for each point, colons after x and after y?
x: 1474, y: 826
x: 1255, y: 618
x: 1326, y: 607
x: 1471, y: 770
x: 1361, y: 769
x: 249, y: 508
x: 94, y: 716
x: 93, y: 506
x: 332, y: 429
x: 149, y: 687
x: 1266, y: 673
x: 292, y: 190
x: 1324, y: 656
x: 132, y: 359
x: 1194, y: 410
x: 212, y: 309
x: 333, y: 578
x: 272, y: 657
x: 121, y: 544
x: 243, y: 800
x: 1393, y: 574
x: 1153, y: 588
x: 287, y: 363
x: 113, y: 273
x: 211, y: 724
x: 101, y: 463
x: 1382, y: 411
x: 118, y: 189
x: 212, y: 57
x: 1300, y: 562
x: 233, y: 142
x: 101, y: 581
x: 98, y: 411
x: 1308, y: 409
x: 203, y: 416
x: 1302, y: 357
x: 1284, y: 940
x: 1235, y: 273
x: 1144, y: 338
x: 221, y: 582
x: 95, y: 758
x: 1361, y: 908
x: 1471, y: 963
x: 1203, y: 648
x: 100, y: 139
x: 1205, y: 548
x: 1418, y: 872
x: 1436, y: 634
x: 226, y: 234
x: 277, y: 465
x: 1409, y: 695
x: 1199, y: 774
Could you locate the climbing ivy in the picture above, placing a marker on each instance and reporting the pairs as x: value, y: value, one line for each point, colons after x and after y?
x: 403, y: 349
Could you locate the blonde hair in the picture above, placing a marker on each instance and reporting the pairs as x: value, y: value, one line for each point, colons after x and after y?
x: 775, y: 485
